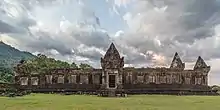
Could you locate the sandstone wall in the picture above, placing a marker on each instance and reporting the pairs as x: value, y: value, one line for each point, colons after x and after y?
x: 144, y: 77
x: 62, y: 79
x: 132, y: 78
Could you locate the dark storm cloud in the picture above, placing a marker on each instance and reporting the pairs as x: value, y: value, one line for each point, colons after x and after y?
x: 164, y: 27
x: 91, y: 54
x: 42, y: 46
x: 6, y: 28
x: 95, y: 38
x: 182, y: 26
x: 199, y: 23
x: 15, y: 18
x: 40, y: 40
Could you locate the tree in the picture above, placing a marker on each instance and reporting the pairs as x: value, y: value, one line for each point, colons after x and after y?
x: 85, y: 66
x: 42, y: 64
x: 74, y: 65
x: 6, y: 75
x: 215, y: 87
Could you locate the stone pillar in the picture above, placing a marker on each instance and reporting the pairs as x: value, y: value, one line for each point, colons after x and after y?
x: 107, y: 80
x: 103, y: 86
x: 157, y: 79
x: 205, y: 80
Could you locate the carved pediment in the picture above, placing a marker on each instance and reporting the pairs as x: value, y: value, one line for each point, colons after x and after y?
x: 177, y: 62
x: 200, y: 64
x: 112, y: 53
x: 112, y: 58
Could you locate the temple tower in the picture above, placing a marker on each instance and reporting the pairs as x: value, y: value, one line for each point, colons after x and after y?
x: 201, y: 65
x: 177, y: 63
x: 112, y: 66
x: 203, y: 68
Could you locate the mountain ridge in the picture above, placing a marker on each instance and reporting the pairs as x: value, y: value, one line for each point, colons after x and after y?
x: 10, y: 56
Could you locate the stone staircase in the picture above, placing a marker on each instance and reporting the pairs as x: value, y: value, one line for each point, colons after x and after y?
x: 111, y: 93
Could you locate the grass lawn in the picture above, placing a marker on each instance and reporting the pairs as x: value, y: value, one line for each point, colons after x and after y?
x: 132, y: 102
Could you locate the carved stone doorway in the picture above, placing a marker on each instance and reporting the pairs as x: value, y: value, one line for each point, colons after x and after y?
x: 111, y: 81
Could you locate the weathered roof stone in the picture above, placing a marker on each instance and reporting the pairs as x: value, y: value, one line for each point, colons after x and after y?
x: 112, y: 58
x: 200, y: 63
x: 177, y: 62
x: 112, y: 53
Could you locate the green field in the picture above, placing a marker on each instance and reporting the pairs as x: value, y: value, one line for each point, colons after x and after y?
x: 134, y: 102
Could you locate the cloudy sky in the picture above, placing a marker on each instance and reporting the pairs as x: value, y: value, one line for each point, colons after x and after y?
x: 146, y: 32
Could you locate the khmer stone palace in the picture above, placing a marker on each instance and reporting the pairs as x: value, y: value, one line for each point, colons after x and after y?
x: 114, y: 79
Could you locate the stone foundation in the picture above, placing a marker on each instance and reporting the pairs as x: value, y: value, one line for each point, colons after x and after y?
x: 112, y: 93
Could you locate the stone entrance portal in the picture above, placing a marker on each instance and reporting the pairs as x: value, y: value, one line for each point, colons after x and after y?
x: 112, y: 65
x: 111, y: 81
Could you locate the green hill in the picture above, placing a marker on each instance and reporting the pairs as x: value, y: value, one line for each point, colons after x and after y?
x: 9, y: 57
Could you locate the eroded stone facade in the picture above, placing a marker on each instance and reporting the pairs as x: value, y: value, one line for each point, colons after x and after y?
x: 113, y: 76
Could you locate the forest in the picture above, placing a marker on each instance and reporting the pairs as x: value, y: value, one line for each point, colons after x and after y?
x: 37, y: 65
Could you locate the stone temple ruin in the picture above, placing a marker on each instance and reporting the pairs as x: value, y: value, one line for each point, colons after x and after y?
x: 113, y: 79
